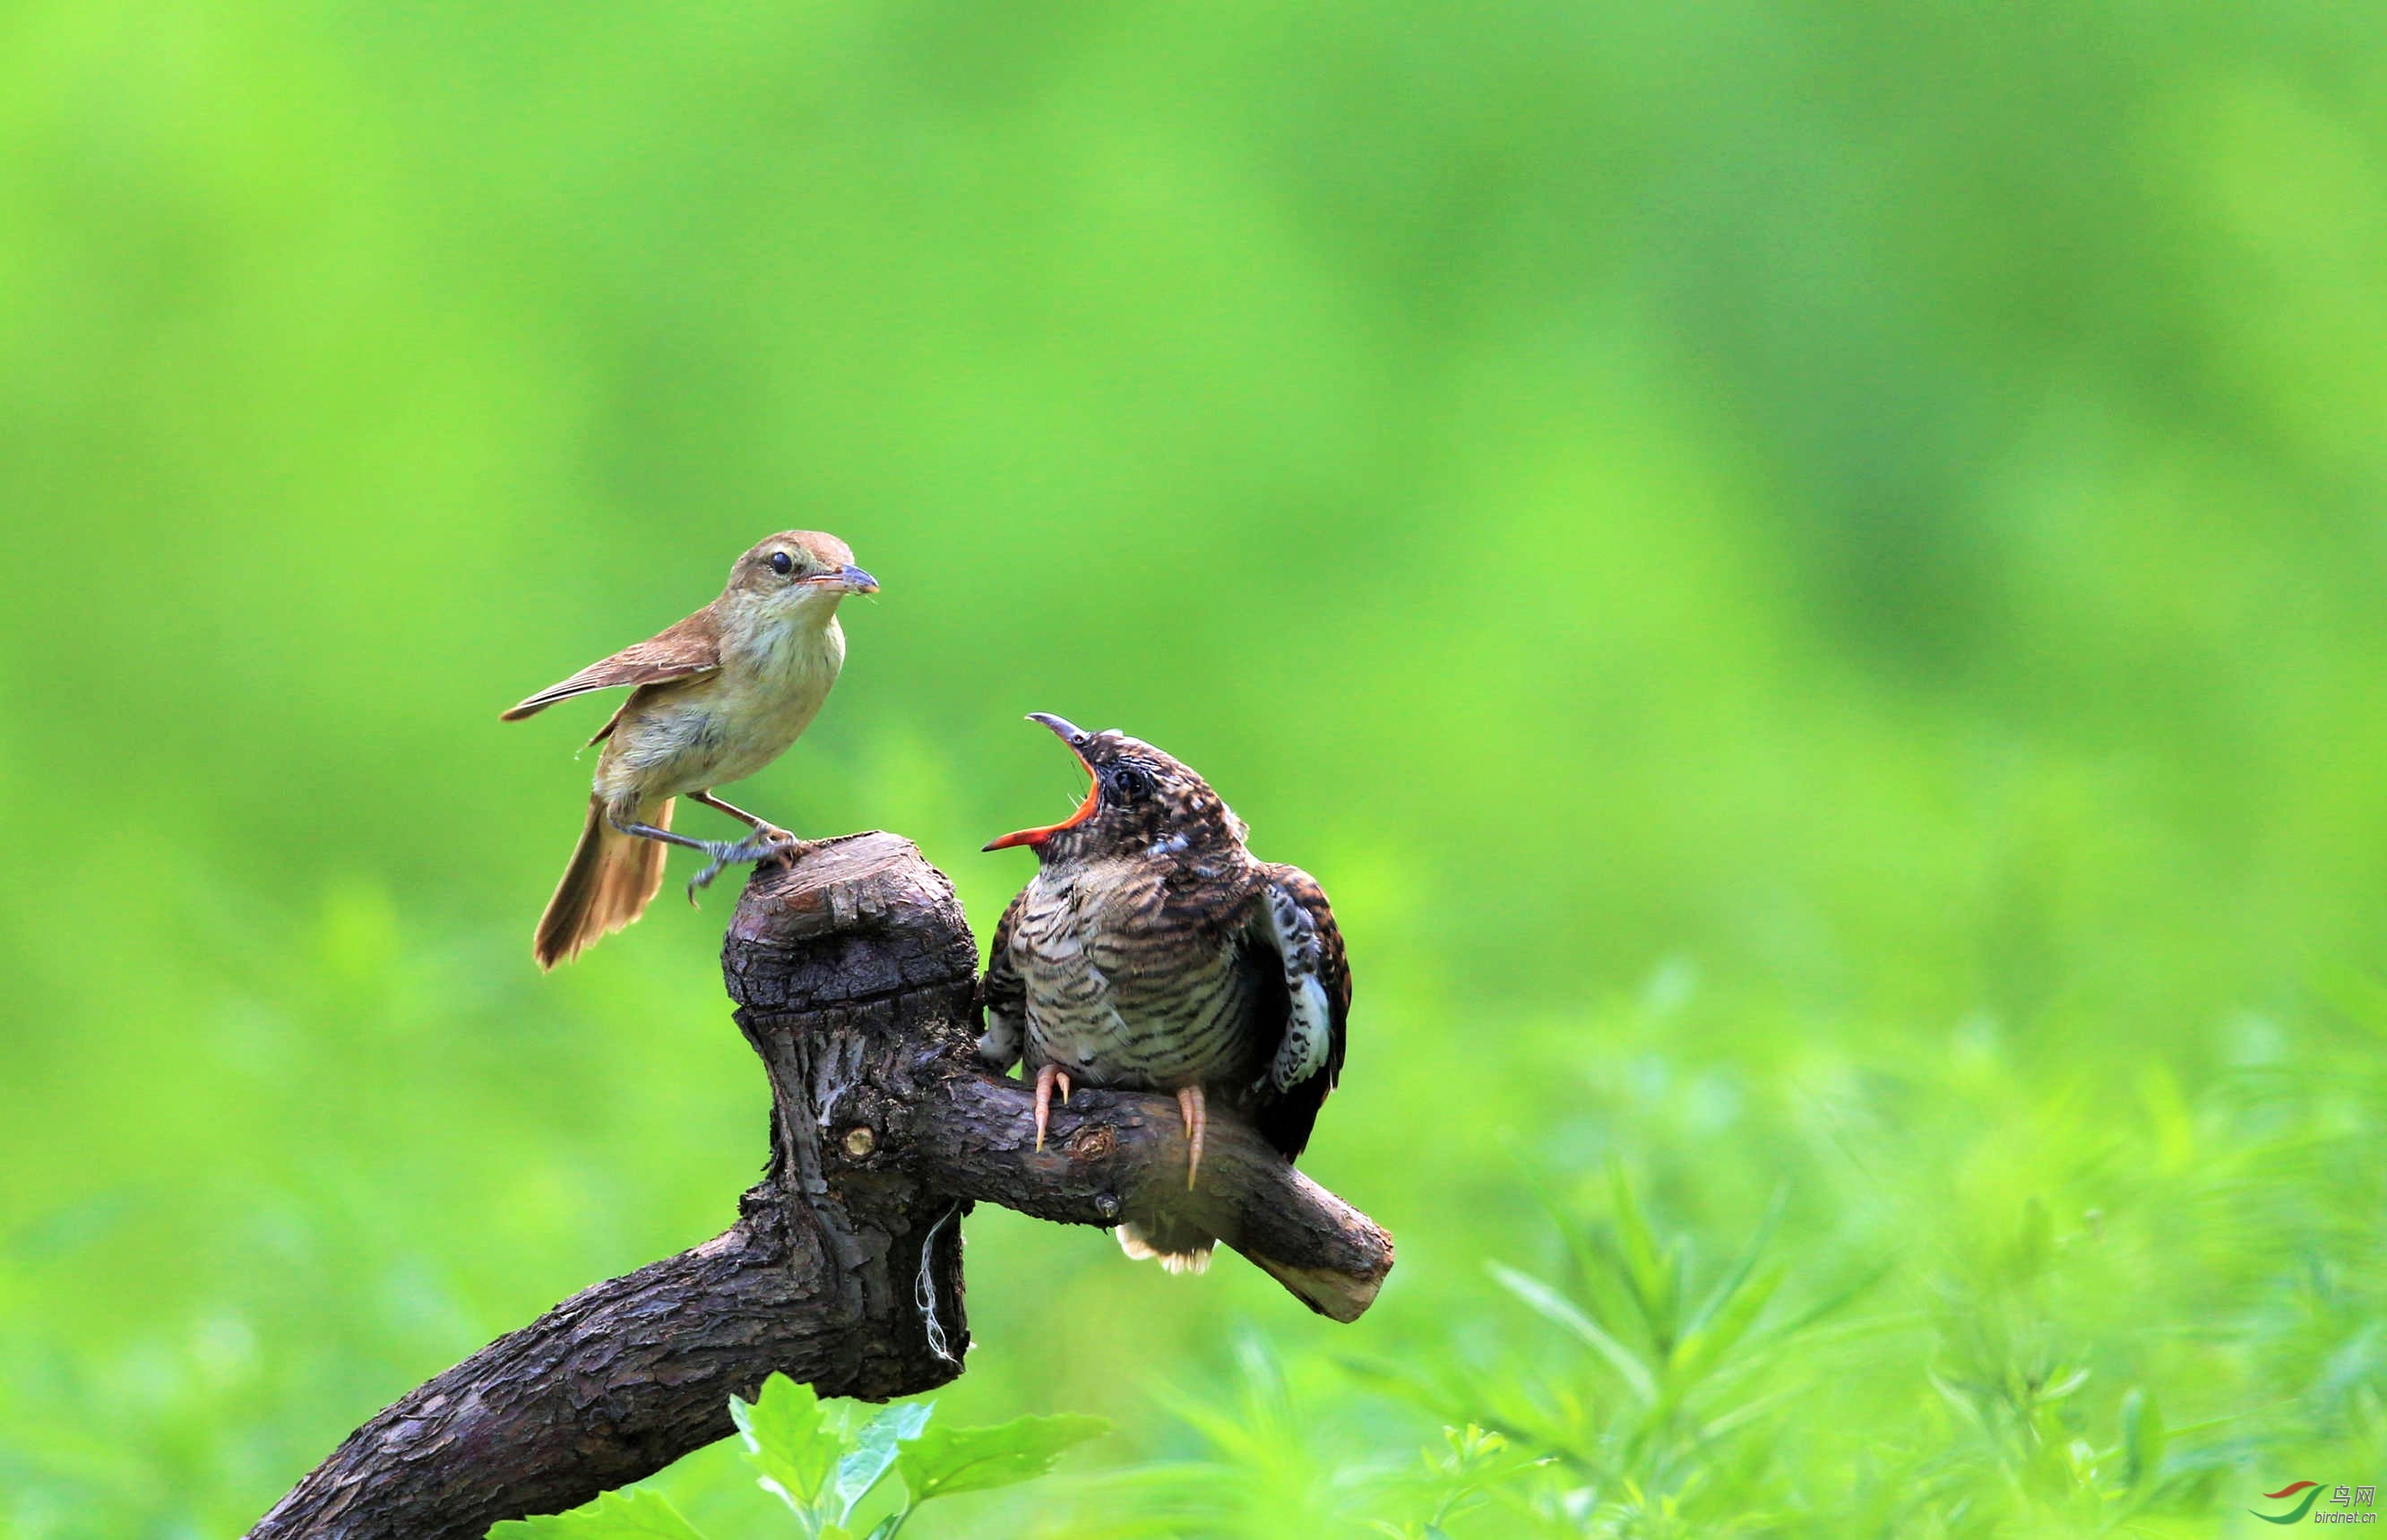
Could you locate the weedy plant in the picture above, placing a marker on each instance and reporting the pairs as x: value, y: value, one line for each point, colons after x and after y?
x: 1461, y: 1478
x: 1670, y: 1401
x: 2019, y: 1447
x: 824, y: 1461
x: 1274, y: 1464
x: 1671, y: 1420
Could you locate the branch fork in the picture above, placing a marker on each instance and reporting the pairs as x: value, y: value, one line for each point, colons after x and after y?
x: 853, y: 973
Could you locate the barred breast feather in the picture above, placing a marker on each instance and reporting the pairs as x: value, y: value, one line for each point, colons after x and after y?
x: 1137, y: 981
x: 1141, y: 975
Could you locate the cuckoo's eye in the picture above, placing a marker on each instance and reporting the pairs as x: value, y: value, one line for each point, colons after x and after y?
x: 1130, y: 783
x: 782, y: 564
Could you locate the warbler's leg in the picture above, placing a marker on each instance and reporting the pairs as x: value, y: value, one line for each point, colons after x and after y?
x: 767, y: 842
x: 1197, y: 1112
x: 685, y: 841
x: 723, y: 851
x: 1047, y: 1077
x: 757, y: 825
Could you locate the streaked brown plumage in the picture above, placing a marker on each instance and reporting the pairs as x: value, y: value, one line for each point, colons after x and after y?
x: 713, y: 699
x: 1151, y: 951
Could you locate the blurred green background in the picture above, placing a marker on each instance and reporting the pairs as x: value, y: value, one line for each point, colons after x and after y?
x: 1808, y: 576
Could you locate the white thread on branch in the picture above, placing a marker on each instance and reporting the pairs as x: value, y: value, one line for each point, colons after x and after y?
x: 924, y: 1291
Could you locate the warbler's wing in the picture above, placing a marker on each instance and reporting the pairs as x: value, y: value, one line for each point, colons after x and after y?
x: 691, y: 647
x: 1290, y: 922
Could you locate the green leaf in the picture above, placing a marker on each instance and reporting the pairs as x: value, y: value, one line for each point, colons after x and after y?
x: 1557, y: 1308
x: 1654, y: 1271
x: 1729, y: 1286
x: 790, y: 1441
x: 2063, y: 1385
x: 1707, y: 1344
x: 1837, y: 1299
x: 2142, y: 1438
x: 1471, y: 1445
x: 873, y: 1454
x: 945, y: 1460
x: 1749, y: 1411
x: 628, y: 1515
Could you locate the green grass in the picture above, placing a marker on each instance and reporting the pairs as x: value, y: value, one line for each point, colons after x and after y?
x: 1807, y: 578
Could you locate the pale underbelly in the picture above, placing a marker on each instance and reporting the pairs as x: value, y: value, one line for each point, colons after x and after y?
x: 674, y: 748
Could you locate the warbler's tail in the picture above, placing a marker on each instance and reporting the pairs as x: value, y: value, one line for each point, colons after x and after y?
x: 1176, y: 1246
x: 612, y: 879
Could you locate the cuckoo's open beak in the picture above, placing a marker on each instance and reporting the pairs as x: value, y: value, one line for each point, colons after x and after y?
x: 1076, y: 738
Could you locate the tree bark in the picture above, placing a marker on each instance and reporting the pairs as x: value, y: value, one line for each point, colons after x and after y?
x: 853, y: 973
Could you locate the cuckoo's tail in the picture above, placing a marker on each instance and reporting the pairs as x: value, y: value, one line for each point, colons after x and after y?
x: 1176, y: 1247
x: 612, y: 879
x: 1182, y: 1248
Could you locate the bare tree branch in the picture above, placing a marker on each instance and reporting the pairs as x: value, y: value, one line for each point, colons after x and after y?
x: 852, y: 975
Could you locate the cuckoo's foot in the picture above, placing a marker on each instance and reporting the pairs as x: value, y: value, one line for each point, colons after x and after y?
x: 764, y: 844
x: 1190, y: 1106
x: 1047, y: 1077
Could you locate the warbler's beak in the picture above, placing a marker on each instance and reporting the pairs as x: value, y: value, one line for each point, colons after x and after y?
x: 853, y: 580
x: 1076, y: 738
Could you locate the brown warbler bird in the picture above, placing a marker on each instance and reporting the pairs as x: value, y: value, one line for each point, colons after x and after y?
x: 714, y: 699
x: 1152, y: 953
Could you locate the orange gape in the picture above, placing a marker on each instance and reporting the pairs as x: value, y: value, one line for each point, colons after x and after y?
x: 1151, y: 951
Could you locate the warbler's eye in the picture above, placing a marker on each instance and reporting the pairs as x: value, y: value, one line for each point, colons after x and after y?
x: 782, y: 564
x: 1130, y: 783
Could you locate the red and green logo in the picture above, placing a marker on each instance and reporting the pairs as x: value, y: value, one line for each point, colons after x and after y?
x: 2311, y: 1491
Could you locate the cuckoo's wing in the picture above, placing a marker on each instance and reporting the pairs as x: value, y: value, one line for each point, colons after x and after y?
x: 1292, y: 921
x: 691, y: 647
x: 1001, y: 995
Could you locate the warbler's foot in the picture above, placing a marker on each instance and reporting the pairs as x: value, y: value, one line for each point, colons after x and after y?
x: 1047, y: 1077
x: 780, y: 844
x: 1191, y: 1107
x: 766, y: 843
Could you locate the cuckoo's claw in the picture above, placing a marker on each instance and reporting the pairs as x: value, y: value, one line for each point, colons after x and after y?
x: 764, y: 844
x: 1191, y: 1107
x: 1047, y: 1077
